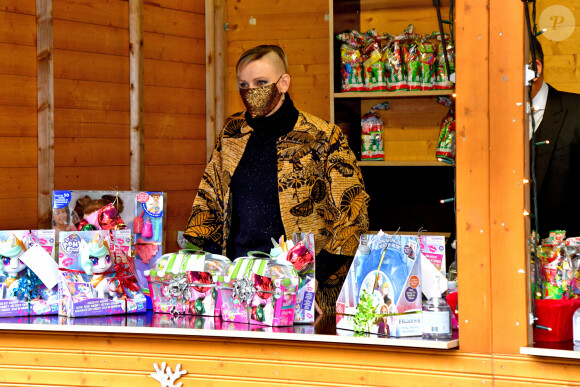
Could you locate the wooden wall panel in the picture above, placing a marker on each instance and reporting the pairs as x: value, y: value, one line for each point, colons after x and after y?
x: 562, y: 55
x: 91, y: 97
x: 175, y: 107
x: 18, y: 134
x: 301, y: 29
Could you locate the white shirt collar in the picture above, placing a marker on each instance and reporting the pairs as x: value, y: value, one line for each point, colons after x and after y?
x: 539, y: 101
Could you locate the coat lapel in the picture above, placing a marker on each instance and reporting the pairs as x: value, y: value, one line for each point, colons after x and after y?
x: 548, y: 130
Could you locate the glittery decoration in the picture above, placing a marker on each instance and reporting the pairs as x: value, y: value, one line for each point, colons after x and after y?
x: 261, y: 100
x: 28, y: 286
x: 178, y: 289
x: 243, y: 289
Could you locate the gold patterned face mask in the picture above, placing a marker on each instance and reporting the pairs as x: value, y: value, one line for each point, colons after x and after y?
x: 260, y: 101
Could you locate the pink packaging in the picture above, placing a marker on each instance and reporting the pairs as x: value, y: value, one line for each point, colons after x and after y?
x: 258, y: 291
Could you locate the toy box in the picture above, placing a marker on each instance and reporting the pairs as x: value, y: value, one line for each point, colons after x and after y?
x: 28, y: 274
x: 382, y: 291
x: 258, y: 291
x: 97, y: 276
x: 141, y: 212
x: 433, y: 248
x: 185, y: 283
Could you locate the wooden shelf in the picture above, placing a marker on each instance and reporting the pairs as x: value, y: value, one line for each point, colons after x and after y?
x: 426, y: 163
x: 393, y: 94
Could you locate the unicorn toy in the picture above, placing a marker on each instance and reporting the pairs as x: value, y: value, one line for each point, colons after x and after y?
x: 96, y: 261
x: 10, y: 253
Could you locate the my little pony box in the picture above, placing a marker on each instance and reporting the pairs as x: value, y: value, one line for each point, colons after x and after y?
x: 258, y: 291
x: 28, y: 273
x: 185, y: 283
x: 383, y: 287
x: 142, y: 212
x: 97, y: 276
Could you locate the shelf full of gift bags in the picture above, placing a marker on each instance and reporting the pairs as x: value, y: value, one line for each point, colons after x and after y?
x: 372, y: 62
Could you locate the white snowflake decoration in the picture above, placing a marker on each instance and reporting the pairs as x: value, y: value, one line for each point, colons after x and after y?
x: 164, y: 375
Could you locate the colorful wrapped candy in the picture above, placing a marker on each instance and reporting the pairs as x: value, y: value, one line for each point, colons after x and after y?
x: 412, y: 64
x: 426, y: 60
x: 351, y: 69
x: 442, y: 81
x: 446, y: 145
x: 396, y: 79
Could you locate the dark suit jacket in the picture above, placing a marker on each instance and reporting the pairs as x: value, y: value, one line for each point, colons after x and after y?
x: 558, y: 165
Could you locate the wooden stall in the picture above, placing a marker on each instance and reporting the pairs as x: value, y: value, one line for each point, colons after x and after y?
x: 182, y: 42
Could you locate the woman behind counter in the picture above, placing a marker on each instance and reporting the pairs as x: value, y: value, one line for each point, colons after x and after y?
x: 276, y: 170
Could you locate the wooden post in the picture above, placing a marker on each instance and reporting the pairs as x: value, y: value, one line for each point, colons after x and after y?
x: 210, y: 77
x: 136, y: 93
x: 221, y: 64
x: 45, y: 103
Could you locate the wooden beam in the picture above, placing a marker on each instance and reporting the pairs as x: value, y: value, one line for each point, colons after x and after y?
x: 472, y: 177
x: 136, y: 94
x: 510, y: 321
x: 45, y: 103
x: 210, y: 76
x: 221, y: 63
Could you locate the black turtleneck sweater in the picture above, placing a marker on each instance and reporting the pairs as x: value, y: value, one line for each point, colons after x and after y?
x: 256, y: 216
x: 256, y: 213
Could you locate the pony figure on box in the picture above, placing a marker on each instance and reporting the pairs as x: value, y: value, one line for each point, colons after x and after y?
x: 96, y: 260
x: 10, y: 252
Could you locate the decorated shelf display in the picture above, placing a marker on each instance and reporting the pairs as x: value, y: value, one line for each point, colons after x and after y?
x: 141, y: 212
x: 382, y: 62
x: 28, y: 274
x: 97, y: 276
x: 185, y: 283
x: 258, y: 291
x: 556, y: 286
x: 300, y: 252
x: 382, y: 291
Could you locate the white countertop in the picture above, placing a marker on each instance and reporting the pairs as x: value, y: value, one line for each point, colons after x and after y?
x: 163, y: 324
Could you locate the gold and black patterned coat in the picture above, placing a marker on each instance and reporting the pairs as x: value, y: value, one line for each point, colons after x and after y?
x: 319, y: 184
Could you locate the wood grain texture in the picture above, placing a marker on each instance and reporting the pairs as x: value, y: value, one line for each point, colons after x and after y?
x: 180, y: 5
x: 18, y: 90
x: 17, y: 28
x: 18, y: 152
x: 76, y: 94
x: 91, y: 123
x: 136, y: 94
x: 18, y: 121
x: 472, y: 176
x: 175, y: 125
x: 101, y: 177
x: 85, y: 151
x: 27, y: 7
x: 27, y: 213
x: 18, y: 182
x: 92, y: 38
x: 171, y: 48
x: 183, y: 152
x: 173, y: 22
x: 18, y: 59
x: 114, y: 13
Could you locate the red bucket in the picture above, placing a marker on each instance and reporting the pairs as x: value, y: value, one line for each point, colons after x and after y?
x: 557, y: 315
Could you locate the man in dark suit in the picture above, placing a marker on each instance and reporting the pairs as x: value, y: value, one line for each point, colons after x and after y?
x: 557, y: 166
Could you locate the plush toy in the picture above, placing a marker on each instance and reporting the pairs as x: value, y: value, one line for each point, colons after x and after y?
x: 96, y: 260
x: 99, y: 214
x: 10, y: 253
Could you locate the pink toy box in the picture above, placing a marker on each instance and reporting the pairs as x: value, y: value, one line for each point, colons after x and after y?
x: 97, y: 276
x: 185, y: 283
x: 258, y: 291
x: 28, y: 273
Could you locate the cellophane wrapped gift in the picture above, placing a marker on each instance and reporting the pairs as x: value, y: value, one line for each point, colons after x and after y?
x: 97, y: 276
x: 382, y: 291
x: 185, y: 283
x: 167, y: 320
x: 302, y: 256
x: 28, y: 274
x: 141, y: 212
x: 258, y: 291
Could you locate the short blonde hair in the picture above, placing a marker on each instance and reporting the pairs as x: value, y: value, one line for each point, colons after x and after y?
x: 259, y: 52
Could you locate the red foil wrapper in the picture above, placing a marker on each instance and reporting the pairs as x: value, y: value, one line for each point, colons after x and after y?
x: 199, y: 277
x: 300, y: 257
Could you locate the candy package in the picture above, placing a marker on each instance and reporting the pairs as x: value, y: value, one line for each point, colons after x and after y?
x: 185, y: 283
x: 426, y: 60
x: 446, y: 145
x: 351, y: 69
x: 258, y: 291
x: 372, y: 146
x: 393, y: 59
x: 442, y: 81
x: 412, y: 65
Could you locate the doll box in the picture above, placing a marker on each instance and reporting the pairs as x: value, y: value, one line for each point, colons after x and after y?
x: 185, y: 283
x: 96, y: 275
x: 390, y: 290
x: 258, y: 291
x: 141, y: 212
x: 24, y: 293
